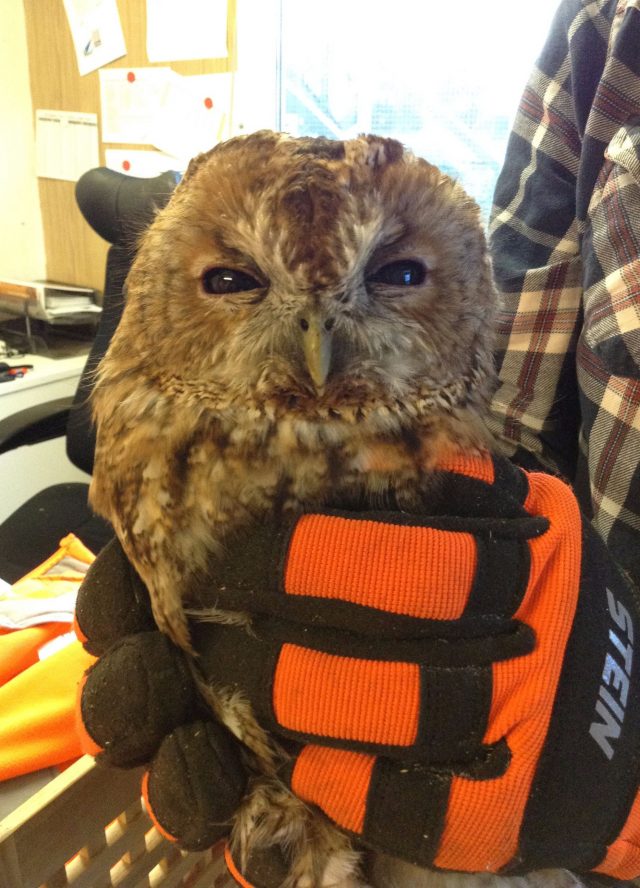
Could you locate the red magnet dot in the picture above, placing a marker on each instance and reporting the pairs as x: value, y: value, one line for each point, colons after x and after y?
x: 126, y: 165
x: 131, y: 76
x: 208, y: 103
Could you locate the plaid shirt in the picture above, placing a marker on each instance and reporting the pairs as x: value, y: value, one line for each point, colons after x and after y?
x: 565, y: 235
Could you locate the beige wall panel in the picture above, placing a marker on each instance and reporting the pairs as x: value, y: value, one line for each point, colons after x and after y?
x: 21, y: 237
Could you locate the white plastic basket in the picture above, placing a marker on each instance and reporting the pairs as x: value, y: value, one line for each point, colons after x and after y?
x: 88, y: 828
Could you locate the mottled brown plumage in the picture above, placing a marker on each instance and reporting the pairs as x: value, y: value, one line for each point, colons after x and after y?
x: 306, y: 321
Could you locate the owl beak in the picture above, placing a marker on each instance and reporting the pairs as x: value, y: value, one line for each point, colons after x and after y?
x: 316, y: 341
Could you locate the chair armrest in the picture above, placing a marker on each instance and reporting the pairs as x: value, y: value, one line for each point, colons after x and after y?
x: 41, y: 422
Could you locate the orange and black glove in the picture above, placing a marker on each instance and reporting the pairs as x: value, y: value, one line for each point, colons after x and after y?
x: 459, y: 689
x: 138, y: 704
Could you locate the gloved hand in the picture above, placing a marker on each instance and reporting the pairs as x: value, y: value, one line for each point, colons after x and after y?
x: 463, y: 685
x: 138, y: 704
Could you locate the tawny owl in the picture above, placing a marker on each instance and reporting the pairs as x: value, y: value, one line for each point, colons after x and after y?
x: 305, y: 319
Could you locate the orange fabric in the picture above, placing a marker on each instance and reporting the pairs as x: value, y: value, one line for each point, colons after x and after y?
x: 484, y: 817
x: 622, y: 860
x: 416, y: 571
x: 69, y: 546
x: 37, y: 727
x: 19, y: 648
x: 38, y: 698
x: 336, y: 780
x: 479, y: 466
x: 347, y: 698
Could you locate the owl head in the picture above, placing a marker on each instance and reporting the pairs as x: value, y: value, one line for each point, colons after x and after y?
x: 330, y: 280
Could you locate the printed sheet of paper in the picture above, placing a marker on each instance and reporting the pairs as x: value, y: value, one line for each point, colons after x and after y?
x: 195, y: 116
x: 96, y: 32
x: 66, y: 144
x: 186, y: 29
x: 131, y: 100
x: 137, y: 162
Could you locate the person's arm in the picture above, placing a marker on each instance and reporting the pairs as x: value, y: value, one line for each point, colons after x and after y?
x: 566, y: 251
x: 535, y: 245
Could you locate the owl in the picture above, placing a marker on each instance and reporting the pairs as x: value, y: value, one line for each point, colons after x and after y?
x: 308, y: 322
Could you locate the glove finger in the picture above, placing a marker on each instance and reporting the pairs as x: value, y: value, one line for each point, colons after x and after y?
x: 396, y: 807
x: 195, y: 784
x: 132, y: 696
x: 265, y: 867
x: 112, y: 602
x: 331, y: 689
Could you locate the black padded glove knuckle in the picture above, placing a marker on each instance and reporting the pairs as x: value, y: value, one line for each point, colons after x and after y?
x: 112, y: 602
x: 196, y: 783
x: 134, y: 695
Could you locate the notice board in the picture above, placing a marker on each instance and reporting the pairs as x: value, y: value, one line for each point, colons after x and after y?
x: 74, y: 253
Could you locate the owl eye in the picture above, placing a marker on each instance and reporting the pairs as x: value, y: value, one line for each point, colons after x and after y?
x: 222, y: 281
x: 401, y: 273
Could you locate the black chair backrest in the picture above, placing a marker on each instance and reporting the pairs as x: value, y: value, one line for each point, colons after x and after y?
x: 118, y: 208
x: 81, y: 435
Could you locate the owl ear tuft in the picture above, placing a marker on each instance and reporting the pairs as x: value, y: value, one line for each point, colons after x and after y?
x: 261, y: 140
x: 374, y: 151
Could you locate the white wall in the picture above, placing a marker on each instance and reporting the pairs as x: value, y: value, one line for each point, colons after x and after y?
x: 21, y: 237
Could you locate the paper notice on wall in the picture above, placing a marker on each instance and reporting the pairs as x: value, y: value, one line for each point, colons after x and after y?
x: 131, y: 99
x: 96, y: 32
x: 66, y: 144
x: 195, y: 116
x: 180, y: 116
x: 186, y: 29
x: 140, y: 163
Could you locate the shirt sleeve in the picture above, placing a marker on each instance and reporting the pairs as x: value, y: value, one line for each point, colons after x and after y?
x: 535, y: 239
x: 566, y: 249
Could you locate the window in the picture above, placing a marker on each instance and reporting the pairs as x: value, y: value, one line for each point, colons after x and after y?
x: 444, y: 78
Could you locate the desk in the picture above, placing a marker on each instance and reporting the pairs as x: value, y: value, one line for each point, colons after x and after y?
x: 50, y: 378
x: 27, y: 470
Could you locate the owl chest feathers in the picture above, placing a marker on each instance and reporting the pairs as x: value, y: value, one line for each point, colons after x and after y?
x: 259, y: 464
x: 169, y: 469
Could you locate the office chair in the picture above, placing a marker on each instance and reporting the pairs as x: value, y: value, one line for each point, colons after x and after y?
x: 118, y: 208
